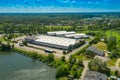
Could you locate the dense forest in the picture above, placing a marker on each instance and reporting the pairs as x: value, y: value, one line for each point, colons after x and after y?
x: 41, y: 23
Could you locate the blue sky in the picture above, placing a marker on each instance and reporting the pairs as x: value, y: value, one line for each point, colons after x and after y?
x: 34, y: 6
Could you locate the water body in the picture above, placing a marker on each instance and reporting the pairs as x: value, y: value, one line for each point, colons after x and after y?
x: 14, y: 66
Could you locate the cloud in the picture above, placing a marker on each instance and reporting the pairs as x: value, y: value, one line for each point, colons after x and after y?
x: 67, y: 1
x: 90, y: 2
x: 49, y: 9
x: 99, y: 3
x: 59, y: 5
x: 74, y: 1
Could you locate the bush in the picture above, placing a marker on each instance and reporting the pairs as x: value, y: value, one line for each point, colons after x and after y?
x: 91, y: 33
x: 50, y: 58
x: 70, y: 50
x: 25, y: 43
x: 5, y: 47
x: 82, y: 50
x: 63, y: 58
x: 80, y: 43
x: 89, y: 54
x: 80, y: 63
x: 97, y: 65
x: 112, y: 42
x: 94, y: 41
x: 72, y: 60
x: 62, y: 71
x: 64, y: 52
x: 114, y: 54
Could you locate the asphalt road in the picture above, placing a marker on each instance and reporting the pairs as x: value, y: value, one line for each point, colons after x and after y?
x: 74, y: 51
x: 85, y: 69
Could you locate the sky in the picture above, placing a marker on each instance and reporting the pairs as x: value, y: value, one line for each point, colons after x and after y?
x: 44, y: 6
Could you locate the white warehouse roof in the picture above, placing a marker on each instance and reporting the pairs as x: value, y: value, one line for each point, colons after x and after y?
x: 75, y: 35
x: 55, y: 40
x: 55, y: 32
x: 65, y: 33
x: 60, y: 33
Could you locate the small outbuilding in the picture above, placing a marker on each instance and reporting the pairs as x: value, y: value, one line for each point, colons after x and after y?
x: 93, y: 75
x: 96, y: 51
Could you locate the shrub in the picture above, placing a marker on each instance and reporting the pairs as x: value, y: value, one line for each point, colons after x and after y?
x: 63, y: 58
x: 64, y: 52
x: 25, y: 43
x: 62, y: 71
x: 50, y: 58
x: 97, y: 65
x: 5, y: 47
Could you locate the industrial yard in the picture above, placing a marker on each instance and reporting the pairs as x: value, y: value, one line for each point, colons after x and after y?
x: 56, y: 41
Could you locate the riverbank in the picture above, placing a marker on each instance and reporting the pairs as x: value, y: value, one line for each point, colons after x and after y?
x: 33, y: 55
x: 4, y: 52
x: 71, y: 69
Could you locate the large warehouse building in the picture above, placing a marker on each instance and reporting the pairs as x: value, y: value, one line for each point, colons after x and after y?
x: 68, y: 34
x: 51, y: 41
x: 60, y: 33
x: 77, y: 36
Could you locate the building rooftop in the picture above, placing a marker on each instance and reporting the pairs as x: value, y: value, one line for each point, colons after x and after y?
x: 65, y: 33
x: 55, y: 40
x: 75, y: 35
x: 96, y: 51
x: 93, y: 75
x: 54, y: 32
x: 59, y: 33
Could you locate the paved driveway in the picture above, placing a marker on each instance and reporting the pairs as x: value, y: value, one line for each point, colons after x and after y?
x: 74, y: 51
x: 85, y: 69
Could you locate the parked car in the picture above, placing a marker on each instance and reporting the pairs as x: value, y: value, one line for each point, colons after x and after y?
x: 21, y: 44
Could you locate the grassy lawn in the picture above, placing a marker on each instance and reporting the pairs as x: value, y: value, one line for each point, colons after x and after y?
x: 114, y: 33
x: 101, y: 46
x: 81, y: 56
x: 112, y: 62
x: 108, y: 33
x: 2, y: 39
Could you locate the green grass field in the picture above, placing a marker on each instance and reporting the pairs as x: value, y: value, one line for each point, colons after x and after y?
x: 101, y: 46
x: 116, y: 34
x: 113, y: 33
x: 112, y: 62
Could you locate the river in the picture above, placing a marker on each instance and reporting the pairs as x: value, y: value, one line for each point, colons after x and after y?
x: 14, y: 66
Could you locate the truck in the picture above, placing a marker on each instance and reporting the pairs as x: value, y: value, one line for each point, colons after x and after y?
x: 48, y: 51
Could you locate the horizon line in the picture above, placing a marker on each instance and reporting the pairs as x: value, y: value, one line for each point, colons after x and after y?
x: 68, y: 12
